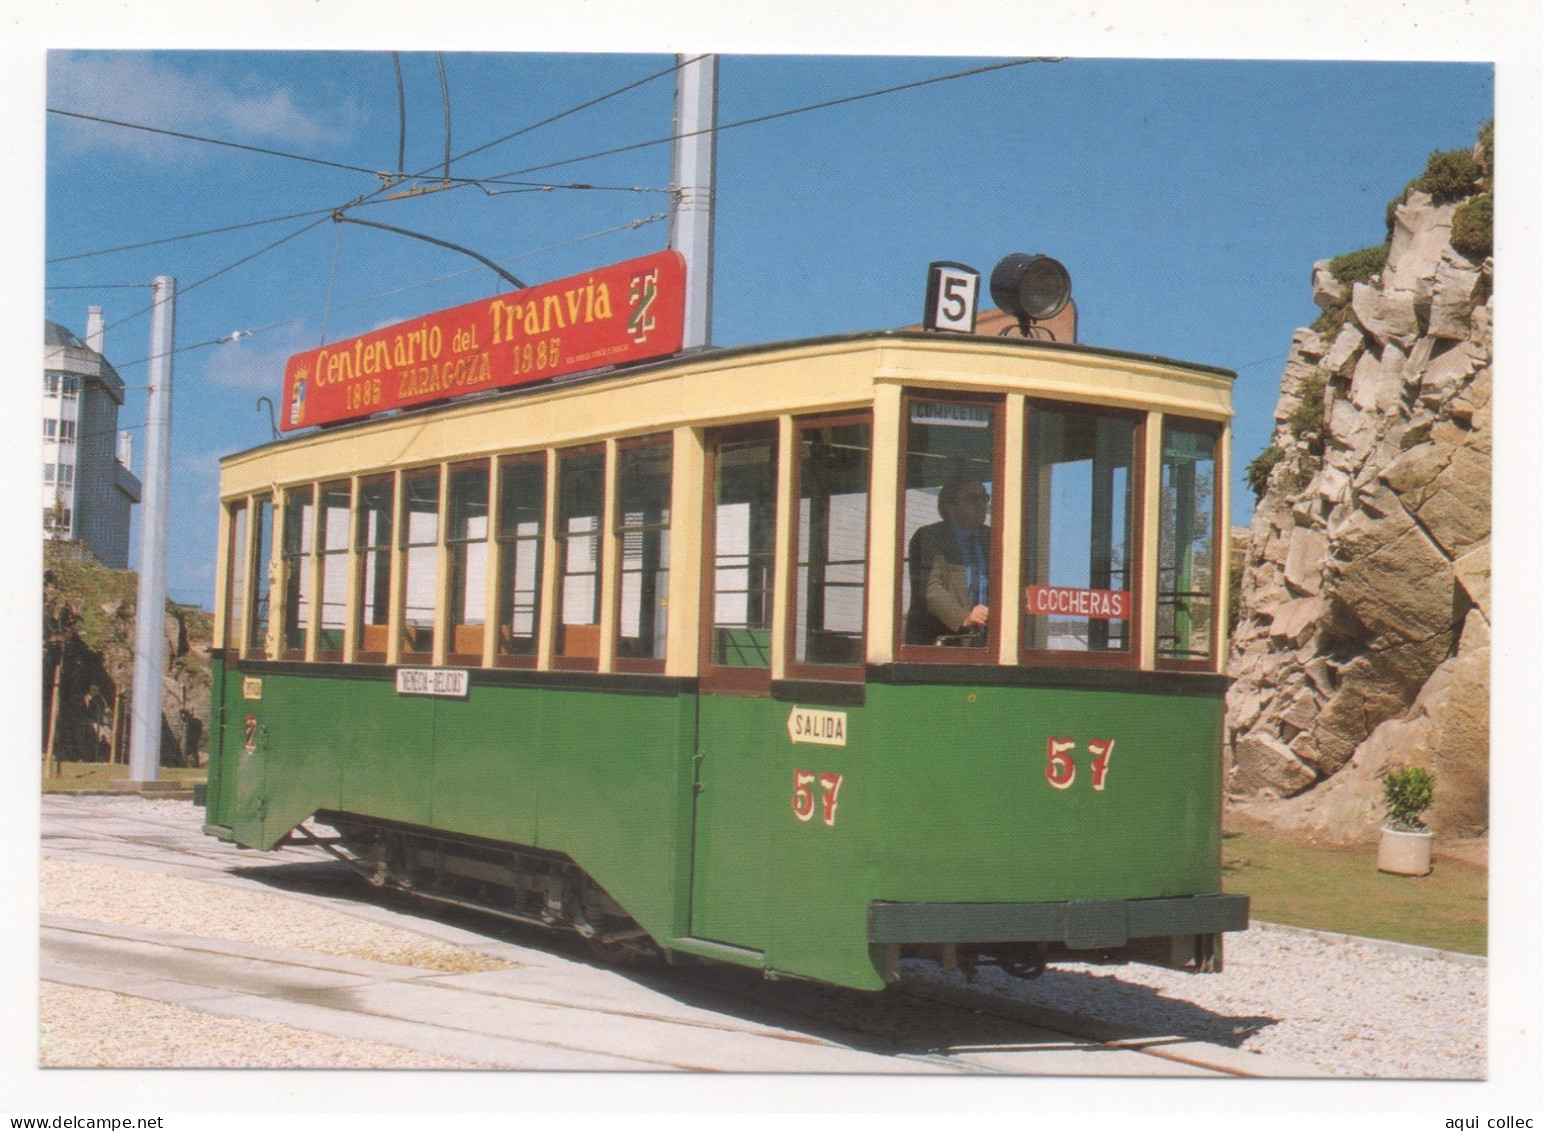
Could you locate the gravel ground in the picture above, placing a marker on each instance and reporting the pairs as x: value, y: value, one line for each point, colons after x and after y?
x: 170, y: 903
x: 1346, y: 1008
x: 83, y: 1028
x: 97, y: 1029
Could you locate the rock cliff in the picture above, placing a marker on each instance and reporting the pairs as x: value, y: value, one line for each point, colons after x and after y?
x: 88, y: 654
x: 1364, y: 616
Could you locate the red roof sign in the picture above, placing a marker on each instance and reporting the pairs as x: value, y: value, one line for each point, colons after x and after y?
x: 623, y: 313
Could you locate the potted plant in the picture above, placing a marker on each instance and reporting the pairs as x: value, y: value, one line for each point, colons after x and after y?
x: 1406, y: 843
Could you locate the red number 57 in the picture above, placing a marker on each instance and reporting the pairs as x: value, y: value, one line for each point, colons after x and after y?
x: 803, y: 795
x: 1061, y: 771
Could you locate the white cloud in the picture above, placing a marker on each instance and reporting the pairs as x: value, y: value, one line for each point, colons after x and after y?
x: 256, y: 365
x: 137, y: 88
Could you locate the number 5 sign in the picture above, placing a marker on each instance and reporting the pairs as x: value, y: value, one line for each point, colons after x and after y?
x: 951, y: 292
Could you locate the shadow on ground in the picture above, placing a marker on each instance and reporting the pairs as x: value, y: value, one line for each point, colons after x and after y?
x: 899, y: 1021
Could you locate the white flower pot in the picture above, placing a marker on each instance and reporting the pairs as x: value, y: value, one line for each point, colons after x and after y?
x: 1405, y: 854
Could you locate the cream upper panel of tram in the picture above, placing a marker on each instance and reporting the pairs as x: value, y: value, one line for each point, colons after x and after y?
x: 721, y: 389
x: 1119, y: 381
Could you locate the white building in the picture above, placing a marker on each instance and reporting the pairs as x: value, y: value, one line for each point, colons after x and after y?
x: 88, y: 489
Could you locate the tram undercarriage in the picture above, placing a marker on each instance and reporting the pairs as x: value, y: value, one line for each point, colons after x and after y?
x: 526, y: 885
x: 547, y: 889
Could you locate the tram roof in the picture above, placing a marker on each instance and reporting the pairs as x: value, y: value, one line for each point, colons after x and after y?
x: 730, y: 353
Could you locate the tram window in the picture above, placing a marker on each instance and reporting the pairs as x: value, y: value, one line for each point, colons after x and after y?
x: 262, y: 551
x: 580, y: 501
x: 521, y: 523
x: 332, y: 534
x: 832, y: 566
x: 420, y: 560
x: 744, y: 520
x: 1079, y: 501
x: 373, y: 538
x: 299, y: 567
x: 643, y: 534
x: 467, y: 542
x: 950, y: 556
x: 235, y: 580
x: 1186, y: 543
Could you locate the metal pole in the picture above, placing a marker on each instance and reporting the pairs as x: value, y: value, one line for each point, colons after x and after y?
x: 150, y: 629
x: 691, y: 218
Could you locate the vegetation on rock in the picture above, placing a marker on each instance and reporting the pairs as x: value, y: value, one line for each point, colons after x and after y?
x: 1449, y: 176
x: 1259, y: 469
x: 1360, y: 266
x: 1307, y: 418
x: 88, y: 655
x: 1473, y: 228
x: 1353, y: 267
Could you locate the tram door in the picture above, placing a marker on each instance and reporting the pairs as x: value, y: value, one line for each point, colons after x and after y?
x: 756, y: 789
x: 735, y: 744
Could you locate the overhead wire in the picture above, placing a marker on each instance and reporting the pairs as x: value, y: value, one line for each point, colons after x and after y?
x: 97, y: 286
x: 215, y: 141
x: 192, y: 235
x: 1277, y: 357
x: 670, y: 70
x: 527, y: 186
x: 401, y: 106
x: 183, y: 291
x: 325, y: 213
x: 400, y: 176
x: 536, y: 186
x: 632, y: 225
x: 827, y: 104
x: 368, y: 198
x: 359, y: 200
x: 444, y: 88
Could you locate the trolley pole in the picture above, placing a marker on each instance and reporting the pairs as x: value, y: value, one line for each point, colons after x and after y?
x: 150, y: 630
x: 691, y: 215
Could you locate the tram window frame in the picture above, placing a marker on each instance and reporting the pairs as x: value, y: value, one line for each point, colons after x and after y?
x: 260, y: 617
x: 328, y: 556
x: 504, y: 655
x: 417, y: 634
x: 580, y: 657
x: 1206, y: 663
x: 380, y: 553
x: 733, y: 678
x: 946, y: 654
x: 298, y: 554
x: 854, y: 671
x: 457, y: 570
x: 1130, y: 656
x: 620, y: 531
x: 238, y: 573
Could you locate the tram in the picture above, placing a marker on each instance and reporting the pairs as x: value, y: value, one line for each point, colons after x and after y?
x: 812, y: 657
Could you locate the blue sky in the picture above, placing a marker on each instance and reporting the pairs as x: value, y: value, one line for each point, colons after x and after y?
x: 1188, y: 199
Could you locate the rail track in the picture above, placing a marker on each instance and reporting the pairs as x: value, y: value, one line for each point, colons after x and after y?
x: 552, y: 1007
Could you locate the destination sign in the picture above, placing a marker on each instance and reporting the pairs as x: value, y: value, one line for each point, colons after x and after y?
x: 449, y: 683
x: 1063, y: 601
x: 823, y: 728
x: 623, y: 313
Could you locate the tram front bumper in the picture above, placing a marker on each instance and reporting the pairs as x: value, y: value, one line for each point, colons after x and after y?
x: 1079, y: 925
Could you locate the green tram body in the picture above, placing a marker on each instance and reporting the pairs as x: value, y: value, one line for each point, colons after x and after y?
x: 944, y: 837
